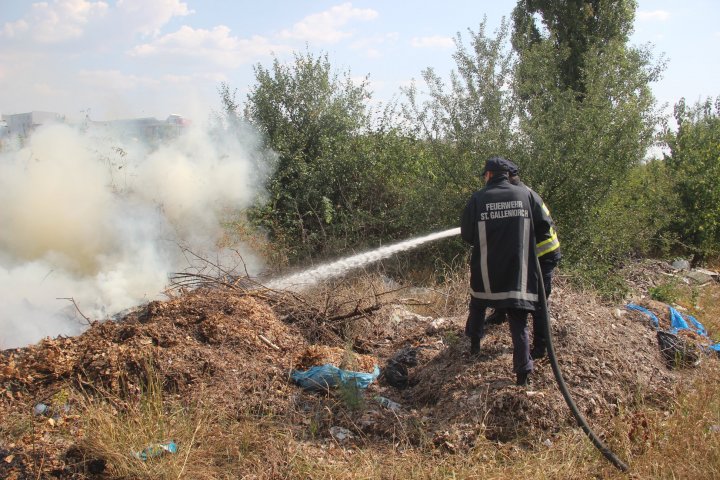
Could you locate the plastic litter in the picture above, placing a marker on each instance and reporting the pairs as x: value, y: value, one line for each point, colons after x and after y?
x: 677, y: 351
x: 387, y: 403
x: 155, y: 450
x: 396, y: 371
x: 50, y: 411
x: 681, y: 265
x: 679, y: 322
x: 670, y: 344
x: 328, y: 376
x: 396, y: 374
x: 407, y: 356
x: 341, y: 434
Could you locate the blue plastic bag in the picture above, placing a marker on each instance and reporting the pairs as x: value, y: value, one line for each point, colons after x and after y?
x: 328, y: 376
x: 678, y: 321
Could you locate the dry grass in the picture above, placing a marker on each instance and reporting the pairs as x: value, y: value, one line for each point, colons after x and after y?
x: 709, y: 311
x: 212, y: 443
x: 682, y: 442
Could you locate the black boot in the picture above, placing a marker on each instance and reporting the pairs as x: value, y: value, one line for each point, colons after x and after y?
x: 522, y: 379
x: 474, y: 346
x: 538, y: 352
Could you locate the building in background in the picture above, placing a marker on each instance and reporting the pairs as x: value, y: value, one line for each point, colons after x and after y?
x: 23, y: 124
x: 4, y: 135
x: 19, y: 126
x: 148, y: 129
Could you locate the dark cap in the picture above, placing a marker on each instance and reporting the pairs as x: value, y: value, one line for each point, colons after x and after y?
x: 499, y: 164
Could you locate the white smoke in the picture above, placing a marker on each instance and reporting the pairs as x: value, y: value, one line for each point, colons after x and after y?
x: 101, y: 220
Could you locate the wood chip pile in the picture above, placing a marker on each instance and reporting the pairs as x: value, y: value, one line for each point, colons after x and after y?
x: 231, y: 348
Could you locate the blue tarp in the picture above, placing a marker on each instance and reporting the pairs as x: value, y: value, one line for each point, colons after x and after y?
x: 328, y: 376
x: 678, y: 321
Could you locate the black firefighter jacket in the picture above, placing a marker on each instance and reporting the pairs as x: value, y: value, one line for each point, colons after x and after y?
x: 501, y: 221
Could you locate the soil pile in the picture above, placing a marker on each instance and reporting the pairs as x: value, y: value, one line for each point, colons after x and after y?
x: 606, y: 355
x: 232, y: 348
x: 233, y: 344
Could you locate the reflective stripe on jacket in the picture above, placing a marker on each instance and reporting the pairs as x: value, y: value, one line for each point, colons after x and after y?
x: 546, y: 238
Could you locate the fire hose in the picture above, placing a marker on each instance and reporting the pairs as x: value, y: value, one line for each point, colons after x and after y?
x: 607, y: 453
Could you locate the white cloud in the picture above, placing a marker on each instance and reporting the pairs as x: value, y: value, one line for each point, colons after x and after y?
x: 213, y: 77
x: 113, y: 79
x: 370, y: 45
x: 375, y: 40
x: 216, y: 45
x: 435, y: 41
x: 14, y: 29
x: 57, y: 21
x: 326, y: 27
x: 147, y: 16
x: 654, y: 16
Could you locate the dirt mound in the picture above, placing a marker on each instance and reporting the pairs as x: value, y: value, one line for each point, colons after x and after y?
x: 232, y: 349
x: 342, y: 358
x: 233, y: 344
x: 606, y: 358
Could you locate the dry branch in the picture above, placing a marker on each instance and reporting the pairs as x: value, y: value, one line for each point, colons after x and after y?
x: 71, y: 299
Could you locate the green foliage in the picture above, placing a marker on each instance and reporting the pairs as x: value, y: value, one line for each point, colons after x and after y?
x: 572, y: 31
x: 665, y: 292
x: 340, y: 182
x: 451, y: 339
x: 631, y: 220
x: 459, y: 126
x: 695, y: 162
x: 313, y: 119
x: 602, y: 277
x: 587, y: 117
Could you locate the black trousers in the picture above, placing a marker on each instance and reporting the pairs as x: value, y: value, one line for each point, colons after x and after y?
x: 539, y: 319
x: 539, y: 342
x: 475, y: 328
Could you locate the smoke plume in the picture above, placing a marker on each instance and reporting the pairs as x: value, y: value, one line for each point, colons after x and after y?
x: 90, y: 217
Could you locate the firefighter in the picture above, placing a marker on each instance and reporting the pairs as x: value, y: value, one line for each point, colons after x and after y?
x: 547, y: 248
x: 500, y: 221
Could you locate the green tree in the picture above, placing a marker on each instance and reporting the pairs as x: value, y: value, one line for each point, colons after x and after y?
x: 310, y: 116
x: 587, y: 114
x: 695, y: 161
x: 463, y: 124
x: 574, y: 29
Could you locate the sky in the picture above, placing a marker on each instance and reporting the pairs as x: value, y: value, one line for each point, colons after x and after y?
x: 113, y: 59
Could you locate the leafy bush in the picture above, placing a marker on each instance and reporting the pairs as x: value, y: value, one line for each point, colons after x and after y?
x: 665, y: 292
x: 695, y: 162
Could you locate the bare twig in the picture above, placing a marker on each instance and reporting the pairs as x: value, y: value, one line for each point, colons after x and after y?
x: 71, y: 299
x: 268, y: 342
x: 356, y: 313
